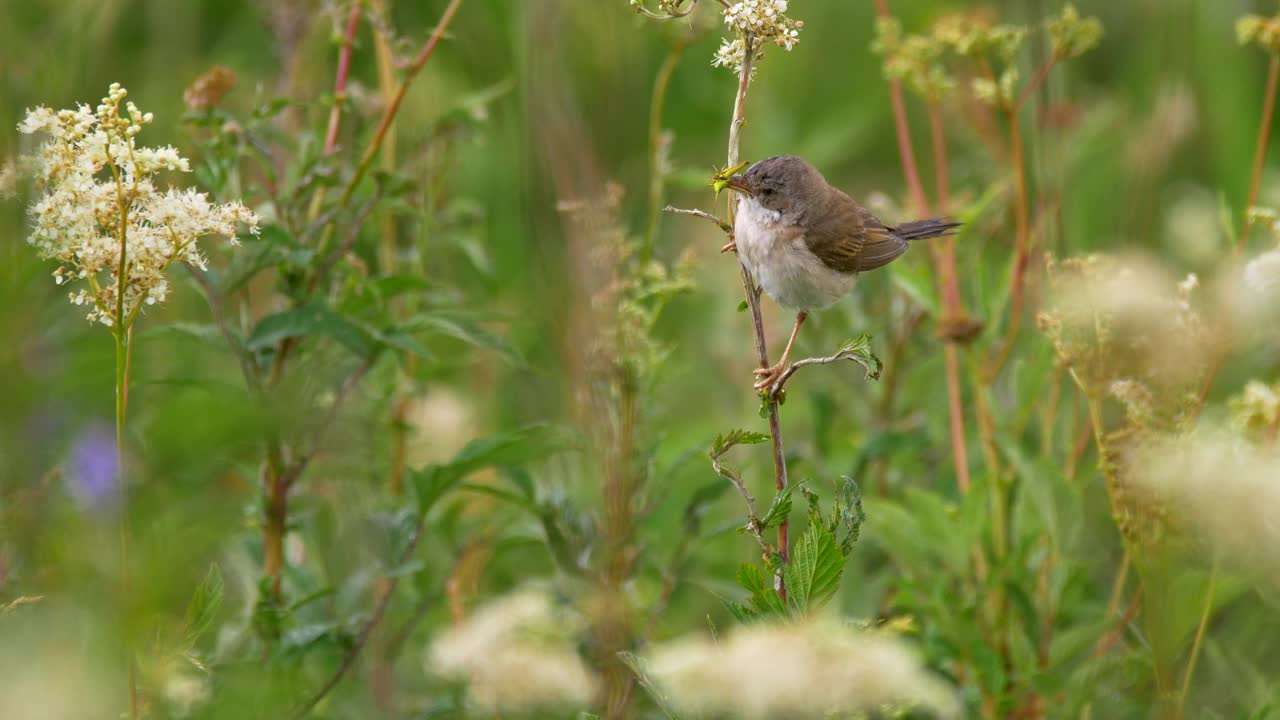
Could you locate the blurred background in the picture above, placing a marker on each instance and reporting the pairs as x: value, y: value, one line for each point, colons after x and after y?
x: 524, y: 241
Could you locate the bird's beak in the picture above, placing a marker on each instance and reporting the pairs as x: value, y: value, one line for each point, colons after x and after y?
x: 739, y: 183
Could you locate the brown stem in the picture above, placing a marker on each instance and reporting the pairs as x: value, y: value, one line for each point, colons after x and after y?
x: 1260, y: 149
x: 389, y: 114
x: 753, y: 303
x: 947, y: 276
x: 1036, y: 82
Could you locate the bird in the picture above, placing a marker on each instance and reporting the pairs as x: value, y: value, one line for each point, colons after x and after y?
x: 805, y: 242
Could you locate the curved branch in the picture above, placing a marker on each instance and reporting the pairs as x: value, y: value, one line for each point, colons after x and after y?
x: 850, y: 352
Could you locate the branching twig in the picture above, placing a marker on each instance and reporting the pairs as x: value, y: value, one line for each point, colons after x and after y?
x: 754, y: 526
x: 726, y: 227
x: 853, y: 352
x: 366, y: 632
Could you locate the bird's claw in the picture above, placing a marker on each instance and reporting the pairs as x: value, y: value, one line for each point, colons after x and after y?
x: 767, y: 376
x: 732, y: 245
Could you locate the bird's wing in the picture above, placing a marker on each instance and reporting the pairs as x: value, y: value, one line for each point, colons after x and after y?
x: 850, y: 239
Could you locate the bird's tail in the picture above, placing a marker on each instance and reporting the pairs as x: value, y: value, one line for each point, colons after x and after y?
x: 925, y: 229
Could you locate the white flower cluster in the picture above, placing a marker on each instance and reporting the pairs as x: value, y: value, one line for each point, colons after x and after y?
x: 816, y: 670
x: 762, y: 21
x: 516, y: 653
x: 99, y: 209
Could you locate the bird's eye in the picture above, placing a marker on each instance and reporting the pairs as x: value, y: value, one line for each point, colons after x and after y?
x: 767, y: 191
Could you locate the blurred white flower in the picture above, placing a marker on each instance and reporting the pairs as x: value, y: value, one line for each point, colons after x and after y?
x: 1226, y: 490
x: 812, y: 670
x: 515, y: 653
x: 1262, y: 274
x: 97, y: 194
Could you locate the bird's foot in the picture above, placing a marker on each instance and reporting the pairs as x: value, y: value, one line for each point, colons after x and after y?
x: 766, y: 377
x: 732, y: 245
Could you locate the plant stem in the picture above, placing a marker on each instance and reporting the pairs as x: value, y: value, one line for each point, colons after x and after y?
x: 340, y: 82
x: 124, y: 346
x: 389, y: 114
x: 657, y: 153
x: 1195, y: 645
x: 1022, y: 249
x: 1260, y: 149
x: 947, y: 279
x: 757, y: 321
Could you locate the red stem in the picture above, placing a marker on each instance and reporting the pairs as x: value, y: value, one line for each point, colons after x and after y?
x: 1260, y: 150
x: 949, y: 285
x: 340, y: 83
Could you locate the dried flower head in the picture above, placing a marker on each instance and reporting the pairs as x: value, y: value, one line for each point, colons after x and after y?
x: 1125, y: 319
x: 815, y: 670
x: 1263, y: 32
x: 100, y: 215
x: 761, y: 21
x: 515, y: 653
x: 208, y: 90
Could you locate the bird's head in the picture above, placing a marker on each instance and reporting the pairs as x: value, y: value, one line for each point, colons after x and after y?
x: 785, y: 184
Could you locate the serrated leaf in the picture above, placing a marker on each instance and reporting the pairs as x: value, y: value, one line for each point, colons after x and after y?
x: 736, y: 437
x: 204, y: 604
x: 813, y: 576
x: 859, y: 350
x: 848, y: 516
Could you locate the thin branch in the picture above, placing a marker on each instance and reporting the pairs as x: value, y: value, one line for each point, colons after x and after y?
x: 849, y: 355
x: 1195, y: 645
x: 1260, y: 149
x: 753, y: 520
x: 294, y: 471
x: 726, y: 227
x: 379, y: 610
x: 388, y: 115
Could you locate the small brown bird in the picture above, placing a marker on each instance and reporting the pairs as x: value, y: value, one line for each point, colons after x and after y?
x: 805, y: 242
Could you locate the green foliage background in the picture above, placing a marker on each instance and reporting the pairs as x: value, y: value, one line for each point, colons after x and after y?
x: 544, y: 101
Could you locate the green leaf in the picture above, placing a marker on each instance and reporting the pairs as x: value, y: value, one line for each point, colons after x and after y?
x: 847, y: 519
x: 311, y: 320
x: 510, y: 448
x: 736, y: 437
x: 742, y: 306
x: 859, y: 350
x: 467, y: 332
x: 764, y: 600
x: 204, y: 604
x: 779, y: 510
x: 813, y: 577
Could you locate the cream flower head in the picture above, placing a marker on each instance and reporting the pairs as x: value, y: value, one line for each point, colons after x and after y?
x: 100, y: 215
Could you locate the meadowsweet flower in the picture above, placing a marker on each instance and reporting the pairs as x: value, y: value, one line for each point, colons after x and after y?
x: 816, y: 670
x: 98, y: 197
x: 1224, y: 491
x: 763, y: 20
x: 515, y: 653
x: 1262, y: 274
